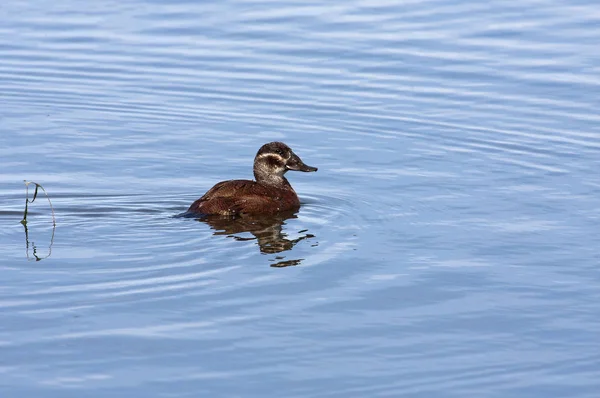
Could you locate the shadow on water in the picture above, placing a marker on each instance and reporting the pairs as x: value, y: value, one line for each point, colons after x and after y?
x: 266, y: 230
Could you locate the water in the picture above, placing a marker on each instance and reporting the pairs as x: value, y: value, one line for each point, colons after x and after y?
x: 447, y: 246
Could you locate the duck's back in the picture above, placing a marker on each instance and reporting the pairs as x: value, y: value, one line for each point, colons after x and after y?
x: 235, y: 197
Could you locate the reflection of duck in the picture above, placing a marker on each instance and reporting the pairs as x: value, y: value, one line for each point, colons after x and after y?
x: 267, y: 230
x: 271, y: 193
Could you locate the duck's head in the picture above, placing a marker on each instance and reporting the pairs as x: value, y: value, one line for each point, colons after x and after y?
x: 274, y: 159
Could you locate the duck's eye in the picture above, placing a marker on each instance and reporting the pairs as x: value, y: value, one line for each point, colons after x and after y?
x: 279, y: 152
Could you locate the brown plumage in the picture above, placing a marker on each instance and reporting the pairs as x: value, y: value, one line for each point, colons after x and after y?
x: 271, y: 192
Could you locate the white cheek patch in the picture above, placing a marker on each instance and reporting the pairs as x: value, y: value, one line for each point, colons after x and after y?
x: 279, y: 159
x: 268, y: 154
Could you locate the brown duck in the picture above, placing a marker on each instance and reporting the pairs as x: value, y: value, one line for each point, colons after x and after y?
x: 271, y: 193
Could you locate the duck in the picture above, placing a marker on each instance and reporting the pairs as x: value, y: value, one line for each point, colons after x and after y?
x: 270, y: 193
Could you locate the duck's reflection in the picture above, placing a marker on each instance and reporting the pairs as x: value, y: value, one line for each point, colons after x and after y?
x: 267, y: 230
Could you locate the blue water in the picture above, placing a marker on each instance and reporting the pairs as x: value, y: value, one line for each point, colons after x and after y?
x: 447, y: 246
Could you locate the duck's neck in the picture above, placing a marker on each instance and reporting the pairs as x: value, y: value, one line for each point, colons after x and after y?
x: 268, y: 178
x: 273, y: 179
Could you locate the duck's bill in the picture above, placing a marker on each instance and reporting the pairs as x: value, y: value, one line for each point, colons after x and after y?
x: 306, y: 168
x: 296, y: 164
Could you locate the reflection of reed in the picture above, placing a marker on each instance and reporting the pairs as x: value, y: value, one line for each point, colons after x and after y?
x: 267, y: 230
x: 33, y: 246
x: 24, y: 221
